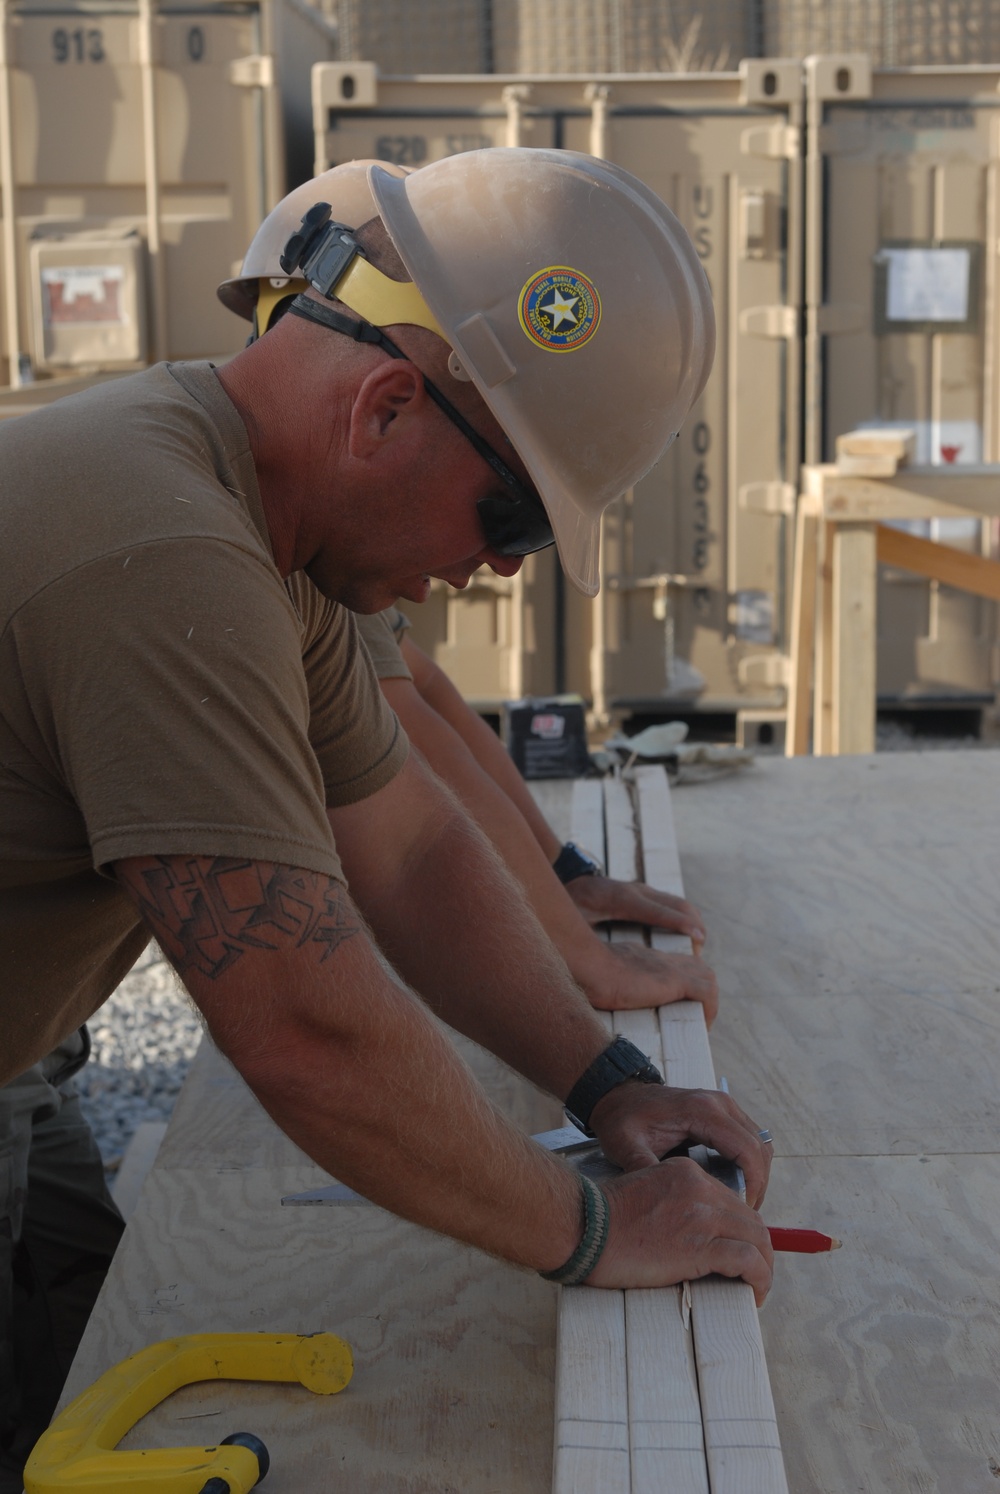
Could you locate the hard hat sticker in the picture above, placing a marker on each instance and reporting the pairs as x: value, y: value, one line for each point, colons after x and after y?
x: 559, y: 309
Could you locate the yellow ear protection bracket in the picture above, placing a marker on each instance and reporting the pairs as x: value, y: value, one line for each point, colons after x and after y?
x: 381, y: 301
x: 270, y: 295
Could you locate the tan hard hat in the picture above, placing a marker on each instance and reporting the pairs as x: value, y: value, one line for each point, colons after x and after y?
x: 575, y: 300
x: 344, y: 187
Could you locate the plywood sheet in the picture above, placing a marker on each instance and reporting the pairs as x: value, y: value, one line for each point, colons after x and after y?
x: 885, y: 1355
x: 453, y: 1351
x: 851, y: 908
x: 851, y: 911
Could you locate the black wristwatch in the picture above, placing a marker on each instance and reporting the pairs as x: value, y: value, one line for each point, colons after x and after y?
x: 623, y: 1060
x: 572, y: 863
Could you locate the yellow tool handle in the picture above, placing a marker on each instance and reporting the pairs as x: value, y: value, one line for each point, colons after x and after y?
x: 78, y: 1450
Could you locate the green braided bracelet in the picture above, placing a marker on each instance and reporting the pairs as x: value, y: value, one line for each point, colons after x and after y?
x: 596, y: 1224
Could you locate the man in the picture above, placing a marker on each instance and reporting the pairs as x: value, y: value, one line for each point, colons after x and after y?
x: 193, y: 743
x: 456, y: 742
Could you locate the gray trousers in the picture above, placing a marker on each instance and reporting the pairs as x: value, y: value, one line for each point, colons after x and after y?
x: 58, y: 1232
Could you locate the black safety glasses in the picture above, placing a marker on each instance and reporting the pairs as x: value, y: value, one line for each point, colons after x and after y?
x: 515, y: 522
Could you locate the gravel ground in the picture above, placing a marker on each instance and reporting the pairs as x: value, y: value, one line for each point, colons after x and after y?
x: 146, y: 1034
x: 144, y: 1038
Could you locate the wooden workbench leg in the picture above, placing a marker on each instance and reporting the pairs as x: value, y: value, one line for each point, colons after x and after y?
x: 854, y: 638
x: 823, y: 638
x: 803, y: 639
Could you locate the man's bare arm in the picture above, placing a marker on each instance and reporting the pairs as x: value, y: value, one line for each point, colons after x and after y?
x: 348, y: 1063
x: 613, y: 976
x: 599, y: 899
x: 343, y: 1057
x: 458, y: 928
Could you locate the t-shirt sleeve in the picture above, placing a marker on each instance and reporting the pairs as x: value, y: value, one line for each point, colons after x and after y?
x: 168, y: 687
x: 383, y: 643
x: 355, y: 734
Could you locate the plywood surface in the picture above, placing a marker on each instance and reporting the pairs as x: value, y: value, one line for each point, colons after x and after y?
x: 852, y: 910
x: 851, y: 905
x: 454, y: 1351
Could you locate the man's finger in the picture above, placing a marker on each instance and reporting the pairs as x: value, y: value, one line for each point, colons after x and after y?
x: 741, y: 1260
x: 732, y: 1133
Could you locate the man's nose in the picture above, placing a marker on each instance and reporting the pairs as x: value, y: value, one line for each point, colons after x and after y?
x: 503, y: 565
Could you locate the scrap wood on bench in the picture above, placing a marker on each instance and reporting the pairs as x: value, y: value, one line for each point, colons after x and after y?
x: 667, y: 1389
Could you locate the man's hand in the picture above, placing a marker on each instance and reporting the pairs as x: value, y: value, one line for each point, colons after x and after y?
x: 633, y: 976
x: 605, y: 900
x: 672, y: 1223
x: 637, y: 1124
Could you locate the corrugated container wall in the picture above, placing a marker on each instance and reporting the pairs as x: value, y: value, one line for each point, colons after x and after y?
x: 696, y: 561
x: 626, y: 36
x: 140, y: 146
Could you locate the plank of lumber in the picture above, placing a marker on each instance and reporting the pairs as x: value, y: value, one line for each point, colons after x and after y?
x: 591, y: 1452
x: 938, y: 562
x: 803, y: 630
x: 823, y: 670
x: 742, y: 1445
x: 664, y: 1412
x: 854, y: 638
x: 915, y: 493
x: 140, y: 1154
x: 666, y: 1439
x: 660, y: 859
x: 586, y: 824
x: 630, y: 1419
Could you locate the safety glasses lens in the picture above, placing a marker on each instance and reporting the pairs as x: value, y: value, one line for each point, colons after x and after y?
x: 514, y: 526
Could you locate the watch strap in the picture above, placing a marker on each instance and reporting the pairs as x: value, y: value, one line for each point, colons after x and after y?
x: 572, y: 863
x: 620, y: 1061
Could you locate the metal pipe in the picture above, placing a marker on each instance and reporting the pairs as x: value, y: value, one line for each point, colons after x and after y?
x: 272, y: 173
x: 8, y: 188
x: 597, y: 96
x: 514, y: 96
x: 150, y: 140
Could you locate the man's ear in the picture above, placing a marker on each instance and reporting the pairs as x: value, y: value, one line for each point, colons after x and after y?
x: 391, y: 392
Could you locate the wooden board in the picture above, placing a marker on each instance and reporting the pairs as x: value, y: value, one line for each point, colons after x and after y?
x: 136, y: 1164
x: 854, y: 638
x: 938, y: 562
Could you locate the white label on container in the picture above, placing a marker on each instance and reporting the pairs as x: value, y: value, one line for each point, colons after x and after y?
x: 754, y: 616
x: 81, y: 295
x: 927, y: 285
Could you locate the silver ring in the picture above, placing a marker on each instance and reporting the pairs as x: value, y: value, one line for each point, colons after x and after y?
x: 766, y: 1137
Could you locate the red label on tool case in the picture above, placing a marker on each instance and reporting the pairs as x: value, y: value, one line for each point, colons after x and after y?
x: 549, y: 728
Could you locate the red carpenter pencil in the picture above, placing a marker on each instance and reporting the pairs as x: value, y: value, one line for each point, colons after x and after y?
x: 802, y: 1241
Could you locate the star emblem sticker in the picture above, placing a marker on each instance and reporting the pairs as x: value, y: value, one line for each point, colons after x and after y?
x: 560, y: 309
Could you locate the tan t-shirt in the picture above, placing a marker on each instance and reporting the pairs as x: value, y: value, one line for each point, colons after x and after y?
x: 383, y: 634
x: 162, y: 690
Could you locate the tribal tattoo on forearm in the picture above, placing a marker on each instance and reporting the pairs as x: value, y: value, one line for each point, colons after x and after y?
x: 207, y: 912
